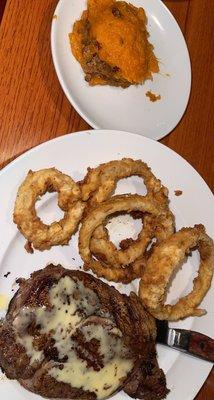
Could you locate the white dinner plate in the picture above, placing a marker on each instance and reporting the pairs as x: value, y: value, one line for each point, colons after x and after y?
x: 72, y: 154
x: 105, y: 107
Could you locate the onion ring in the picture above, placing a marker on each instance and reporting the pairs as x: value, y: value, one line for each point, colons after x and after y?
x: 108, y: 253
x: 163, y: 262
x: 36, y: 184
x: 159, y: 228
x: 99, y: 184
x: 97, y: 216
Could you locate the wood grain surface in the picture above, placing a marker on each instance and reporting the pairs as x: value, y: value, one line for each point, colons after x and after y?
x: 34, y: 109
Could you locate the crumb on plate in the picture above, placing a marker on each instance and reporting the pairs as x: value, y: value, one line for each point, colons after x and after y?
x: 153, y: 97
x: 178, y: 192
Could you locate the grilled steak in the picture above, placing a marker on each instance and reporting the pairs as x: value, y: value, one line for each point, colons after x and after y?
x: 68, y: 335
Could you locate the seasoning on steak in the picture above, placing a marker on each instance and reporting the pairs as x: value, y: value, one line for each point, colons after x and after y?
x: 68, y: 335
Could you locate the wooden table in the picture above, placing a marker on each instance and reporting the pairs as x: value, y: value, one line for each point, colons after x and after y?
x: 33, y: 107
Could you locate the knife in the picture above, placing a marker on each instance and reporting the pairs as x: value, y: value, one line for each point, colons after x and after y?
x: 190, y: 342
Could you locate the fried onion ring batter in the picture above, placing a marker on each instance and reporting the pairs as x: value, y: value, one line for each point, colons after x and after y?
x: 99, y: 184
x: 36, y: 184
x: 163, y: 262
x: 97, y: 216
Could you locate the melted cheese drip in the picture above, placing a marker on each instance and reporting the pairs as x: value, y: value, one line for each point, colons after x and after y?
x: 103, y: 382
x: 74, y: 307
x: 20, y: 324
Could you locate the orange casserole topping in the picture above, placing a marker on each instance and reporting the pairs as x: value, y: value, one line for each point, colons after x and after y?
x: 110, y: 41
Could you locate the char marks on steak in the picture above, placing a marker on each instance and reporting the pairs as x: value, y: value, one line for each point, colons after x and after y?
x: 121, y: 317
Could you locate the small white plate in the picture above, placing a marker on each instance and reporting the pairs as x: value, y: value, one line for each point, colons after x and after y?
x: 72, y: 154
x: 105, y: 107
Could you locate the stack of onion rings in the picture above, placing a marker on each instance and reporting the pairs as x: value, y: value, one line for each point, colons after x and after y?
x: 90, y: 203
x: 163, y: 262
x: 74, y: 198
x: 36, y: 184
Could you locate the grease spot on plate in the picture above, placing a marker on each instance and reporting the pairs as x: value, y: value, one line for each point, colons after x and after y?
x: 4, y: 300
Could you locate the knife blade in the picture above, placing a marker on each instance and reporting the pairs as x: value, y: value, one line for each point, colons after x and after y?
x: 190, y: 342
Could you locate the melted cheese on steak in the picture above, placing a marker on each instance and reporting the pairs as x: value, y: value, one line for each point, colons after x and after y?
x: 91, y: 350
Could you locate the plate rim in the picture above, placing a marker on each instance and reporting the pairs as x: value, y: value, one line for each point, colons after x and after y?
x: 206, y: 367
x: 75, y: 104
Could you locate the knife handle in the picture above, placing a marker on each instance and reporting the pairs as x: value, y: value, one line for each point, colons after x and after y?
x: 201, y: 346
